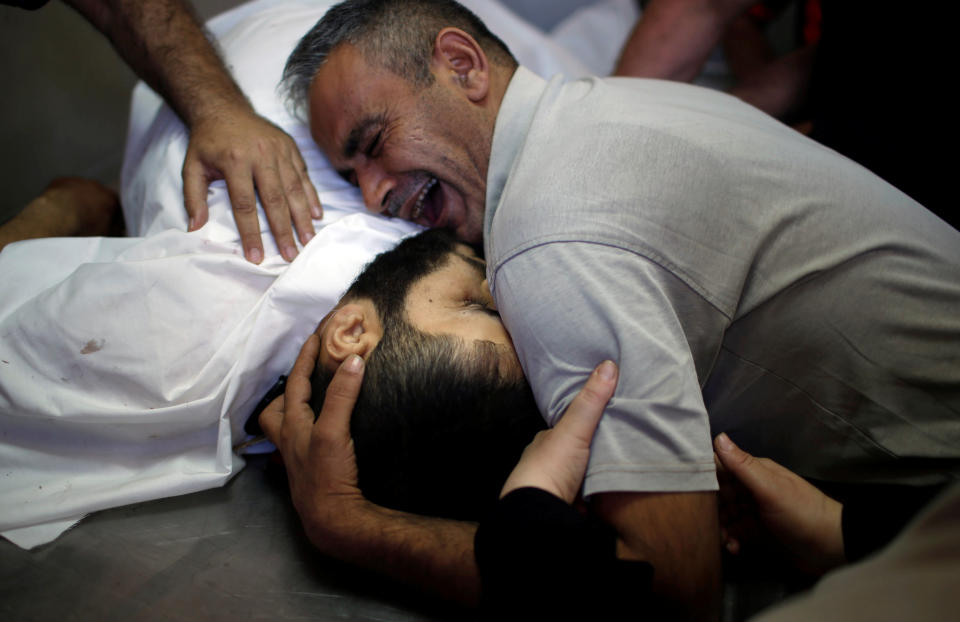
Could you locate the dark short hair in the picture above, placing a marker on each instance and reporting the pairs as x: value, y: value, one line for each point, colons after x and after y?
x: 439, y: 423
x: 396, y: 34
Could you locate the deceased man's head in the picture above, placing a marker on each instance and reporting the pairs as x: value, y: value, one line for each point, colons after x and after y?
x: 444, y: 411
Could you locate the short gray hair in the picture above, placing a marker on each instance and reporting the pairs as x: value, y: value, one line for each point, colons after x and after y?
x: 395, y: 34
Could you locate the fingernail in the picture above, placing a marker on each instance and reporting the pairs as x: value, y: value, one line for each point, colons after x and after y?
x: 607, y: 370
x: 316, y: 213
x: 192, y: 224
x: 289, y: 252
x: 353, y: 364
x: 254, y: 255
x: 724, y: 442
x: 307, y: 237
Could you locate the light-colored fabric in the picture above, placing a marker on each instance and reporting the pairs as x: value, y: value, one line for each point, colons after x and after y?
x: 131, y: 377
x: 730, y: 266
x: 128, y: 366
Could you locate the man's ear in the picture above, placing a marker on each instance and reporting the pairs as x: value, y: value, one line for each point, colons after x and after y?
x: 353, y: 328
x: 460, y: 58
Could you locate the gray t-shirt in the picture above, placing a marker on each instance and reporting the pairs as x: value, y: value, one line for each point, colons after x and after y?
x: 730, y: 266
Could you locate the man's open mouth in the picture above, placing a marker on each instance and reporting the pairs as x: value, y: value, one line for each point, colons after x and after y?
x: 426, y: 202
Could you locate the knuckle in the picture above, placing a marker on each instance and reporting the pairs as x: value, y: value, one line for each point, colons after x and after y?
x: 294, y: 188
x: 339, y: 393
x: 244, y: 206
x: 237, y: 154
x: 542, y: 437
x: 591, y: 395
x: 322, y: 437
x: 267, y: 144
x: 271, y: 196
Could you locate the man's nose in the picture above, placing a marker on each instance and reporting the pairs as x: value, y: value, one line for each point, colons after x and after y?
x: 375, y: 186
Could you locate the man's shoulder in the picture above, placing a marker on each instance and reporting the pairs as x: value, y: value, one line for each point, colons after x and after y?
x: 598, y: 162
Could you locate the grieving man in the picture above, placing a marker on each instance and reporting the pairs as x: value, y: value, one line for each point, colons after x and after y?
x: 744, y: 278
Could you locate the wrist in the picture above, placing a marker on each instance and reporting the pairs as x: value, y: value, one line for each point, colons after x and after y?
x: 338, y: 526
x: 222, y: 107
x: 828, y: 541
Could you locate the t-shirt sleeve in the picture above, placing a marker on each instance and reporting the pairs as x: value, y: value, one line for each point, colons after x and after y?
x: 571, y: 305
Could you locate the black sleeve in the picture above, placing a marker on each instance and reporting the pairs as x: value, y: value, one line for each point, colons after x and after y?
x: 540, y: 557
x: 874, y: 515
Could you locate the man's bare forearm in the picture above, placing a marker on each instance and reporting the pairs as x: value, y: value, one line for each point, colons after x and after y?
x: 432, y: 555
x: 679, y: 534
x: 166, y: 46
x: 673, y: 38
x: 68, y: 207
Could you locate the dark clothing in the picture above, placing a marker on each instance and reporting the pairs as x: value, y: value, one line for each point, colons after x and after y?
x: 30, y: 5
x: 873, y: 515
x: 540, y: 559
x: 878, y: 95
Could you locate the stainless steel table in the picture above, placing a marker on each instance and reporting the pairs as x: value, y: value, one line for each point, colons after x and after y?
x: 233, y: 553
